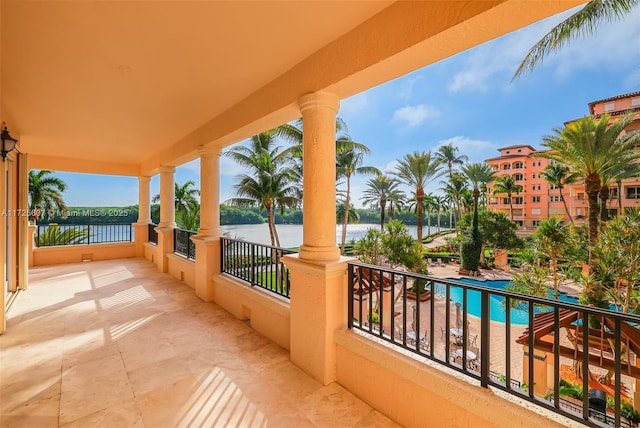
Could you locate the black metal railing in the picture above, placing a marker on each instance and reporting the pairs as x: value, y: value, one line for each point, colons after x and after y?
x: 182, y: 243
x: 257, y: 264
x: 48, y: 235
x: 153, y: 235
x: 486, y: 333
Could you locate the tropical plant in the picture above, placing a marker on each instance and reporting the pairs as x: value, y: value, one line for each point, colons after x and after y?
x: 552, y: 237
x: 415, y: 170
x: 476, y: 174
x: 507, y: 184
x: 583, y: 22
x: 559, y: 175
x: 352, y: 215
x: 189, y: 219
x: 592, y: 147
x: 447, y: 155
x: 617, y: 252
x: 185, y: 198
x: 54, y: 235
x: 455, y: 190
x: 270, y: 184
x: 349, y: 163
x: 439, y: 204
x: 380, y: 191
x: 45, y: 195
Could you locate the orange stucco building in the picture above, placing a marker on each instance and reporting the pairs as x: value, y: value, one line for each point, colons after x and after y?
x: 538, y: 200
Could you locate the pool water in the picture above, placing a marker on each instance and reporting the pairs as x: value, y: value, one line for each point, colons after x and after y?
x: 497, y: 309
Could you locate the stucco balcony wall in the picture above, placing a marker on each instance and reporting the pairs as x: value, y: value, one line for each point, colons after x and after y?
x: 150, y: 252
x: 268, y: 314
x: 414, y: 394
x: 182, y: 268
x: 61, y: 254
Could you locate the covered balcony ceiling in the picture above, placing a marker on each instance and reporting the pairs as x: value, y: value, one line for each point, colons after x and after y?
x: 124, y: 87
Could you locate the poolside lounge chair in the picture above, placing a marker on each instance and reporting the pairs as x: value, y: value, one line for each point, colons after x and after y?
x: 430, y: 261
x: 439, y: 262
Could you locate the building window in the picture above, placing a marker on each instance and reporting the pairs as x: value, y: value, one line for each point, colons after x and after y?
x: 518, y: 177
x: 635, y: 102
x: 506, y: 166
x: 553, y: 187
x: 518, y: 165
x: 519, y: 150
x: 613, y: 193
x: 536, y: 211
x: 535, y: 223
x: 507, y: 152
x: 580, y: 196
x: 633, y: 192
x: 609, y: 106
x: 518, y: 200
x: 536, y: 199
x: 505, y: 201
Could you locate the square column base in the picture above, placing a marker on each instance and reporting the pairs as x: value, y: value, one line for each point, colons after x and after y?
x: 318, y: 310
x: 165, y: 247
x: 207, y: 265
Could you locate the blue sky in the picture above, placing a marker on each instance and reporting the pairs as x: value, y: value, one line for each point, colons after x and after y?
x: 468, y: 100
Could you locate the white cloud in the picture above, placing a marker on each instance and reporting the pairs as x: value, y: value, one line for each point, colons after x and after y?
x: 389, y: 167
x: 475, y: 150
x: 413, y: 116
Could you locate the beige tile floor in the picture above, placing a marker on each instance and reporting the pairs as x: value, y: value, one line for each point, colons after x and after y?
x: 117, y: 344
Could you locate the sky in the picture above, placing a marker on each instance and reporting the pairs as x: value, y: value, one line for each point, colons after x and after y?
x: 469, y: 100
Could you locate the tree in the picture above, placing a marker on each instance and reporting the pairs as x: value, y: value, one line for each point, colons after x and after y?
x: 270, y: 184
x: 186, y: 198
x: 379, y: 191
x: 559, y: 175
x: 617, y: 252
x: 507, y: 184
x: 455, y: 190
x: 416, y: 170
x: 349, y: 163
x: 592, y: 147
x: 53, y: 235
x: 494, y: 228
x: 552, y: 237
x: 189, y: 219
x: 439, y: 204
x: 446, y: 155
x: 476, y: 174
x: 45, y: 195
x: 583, y: 22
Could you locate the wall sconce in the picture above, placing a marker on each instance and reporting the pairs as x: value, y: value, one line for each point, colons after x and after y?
x: 8, y: 142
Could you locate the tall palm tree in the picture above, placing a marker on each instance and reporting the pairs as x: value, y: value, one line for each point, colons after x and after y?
x: 270, y: 184
x: 349, y: 163
x: 446, y: 155
x: 552, y: 237
x: 455, y: 190
x: 439, y: 204
x: 592, y: 147
x: 477, y: 175
x: 45, y: 195
x: 559, y: 175
x: 583, y: 22
x: 186, y: 198
x: 507, y: 184
x: 416, y: 170
x: 379, y: 191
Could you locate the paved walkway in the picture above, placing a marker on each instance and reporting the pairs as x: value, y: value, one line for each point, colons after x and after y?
x: 117, y: 344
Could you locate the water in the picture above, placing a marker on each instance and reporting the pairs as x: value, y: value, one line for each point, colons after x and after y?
x: 291, y: 234
x: 496, y: 310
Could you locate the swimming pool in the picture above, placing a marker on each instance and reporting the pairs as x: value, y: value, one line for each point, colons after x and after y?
x: 497, y: 310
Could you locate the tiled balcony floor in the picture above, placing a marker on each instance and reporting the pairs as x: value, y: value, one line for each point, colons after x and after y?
x: 117, y: 344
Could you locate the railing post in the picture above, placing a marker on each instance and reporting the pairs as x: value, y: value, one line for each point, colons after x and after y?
x: 485, y: 323
x: 350, y: 296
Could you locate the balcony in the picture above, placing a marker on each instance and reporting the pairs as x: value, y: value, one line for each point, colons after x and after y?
x: 151, y: 353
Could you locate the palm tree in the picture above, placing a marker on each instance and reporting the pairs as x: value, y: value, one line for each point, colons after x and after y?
x: 185, y: 199
x: 189, y: 220
x: 45, y: 195
x: 552, y: 237
x: 439, y: 204
x: 349, y: 163
x: 477, y: 175
x: 583, y: 22
x: 559, y: 175
x: 455, y: 189
x: 53, y: 235
x: 416, y: 170
x: 379, y: 191
x: 446, y: 155
x: 507, y: 184
x: 270, y: 184
x: 592, y: 147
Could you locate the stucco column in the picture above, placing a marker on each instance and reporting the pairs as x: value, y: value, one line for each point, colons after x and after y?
x: 144, y: 214
x: 319, y: 183
x: 209, y: 191
x: 144, y: 199
x: 207, y: 241
x: 167, y: 216
x: 167, y: 197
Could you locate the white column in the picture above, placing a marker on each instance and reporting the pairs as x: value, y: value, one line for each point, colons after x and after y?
x: 167, y: 197
x: 209, y: 191
x: 319, y: 183
x: 144, y: 199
